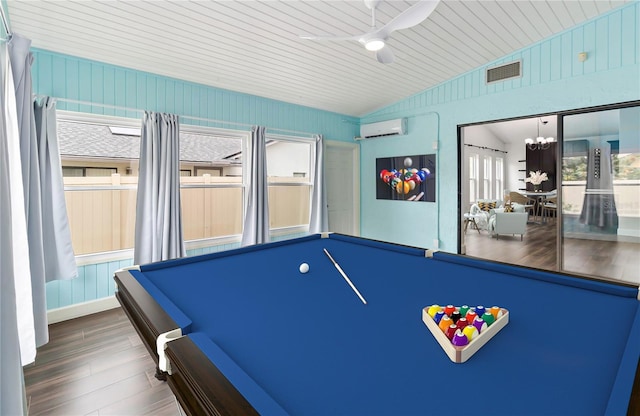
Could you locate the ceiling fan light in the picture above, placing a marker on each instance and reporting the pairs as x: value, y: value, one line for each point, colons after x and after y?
x: 540, y: 139
x: 374, y: 44
x: 550, y: 139
x: 528, y: 140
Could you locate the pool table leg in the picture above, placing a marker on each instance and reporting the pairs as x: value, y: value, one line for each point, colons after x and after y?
x: 634, y: 401
x: 160, y: 375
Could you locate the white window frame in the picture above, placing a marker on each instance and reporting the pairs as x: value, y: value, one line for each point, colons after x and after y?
x: 134, y: 123
x: 487, y: 177
x: 312, y: 156
x: 499, y: 177
x: 474, y: 172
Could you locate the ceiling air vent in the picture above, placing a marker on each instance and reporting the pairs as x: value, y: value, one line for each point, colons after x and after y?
x: 502, y: 72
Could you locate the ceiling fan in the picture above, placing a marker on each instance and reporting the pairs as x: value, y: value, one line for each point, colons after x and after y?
x: 375, y: 39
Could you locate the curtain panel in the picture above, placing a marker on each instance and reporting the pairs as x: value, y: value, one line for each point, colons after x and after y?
x: 21, y: 60
x: 59, y: 258
x: 319, y: 218
x: 17, y: 336
x: 256, y: 221
x: 158, y: 232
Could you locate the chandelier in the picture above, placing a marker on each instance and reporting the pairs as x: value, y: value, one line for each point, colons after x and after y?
x: 539, y: 143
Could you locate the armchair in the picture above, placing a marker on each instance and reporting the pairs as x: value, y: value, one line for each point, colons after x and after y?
x: 529, y: 203
x: 508, y: 223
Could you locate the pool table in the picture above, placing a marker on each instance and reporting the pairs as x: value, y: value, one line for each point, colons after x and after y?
x: 250, y: 334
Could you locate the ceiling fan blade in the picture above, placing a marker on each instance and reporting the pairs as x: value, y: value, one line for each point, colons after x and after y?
x: 385, y: 55
x: 414, y: 15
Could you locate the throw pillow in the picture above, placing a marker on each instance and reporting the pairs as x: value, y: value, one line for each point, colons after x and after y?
x: 508, y: 208
x: 486, y: 206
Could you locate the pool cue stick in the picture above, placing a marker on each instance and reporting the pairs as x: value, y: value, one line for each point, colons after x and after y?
x: 344, y: 276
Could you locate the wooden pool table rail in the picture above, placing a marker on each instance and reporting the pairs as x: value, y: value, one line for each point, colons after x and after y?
x: 212, y: 394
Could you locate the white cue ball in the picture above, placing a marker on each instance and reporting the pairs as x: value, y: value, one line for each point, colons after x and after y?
x: 304, y: 267
x: 408, y: 162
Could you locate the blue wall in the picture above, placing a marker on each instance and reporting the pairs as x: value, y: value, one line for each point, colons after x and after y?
x: 553, y: 80
x: 79, y: 79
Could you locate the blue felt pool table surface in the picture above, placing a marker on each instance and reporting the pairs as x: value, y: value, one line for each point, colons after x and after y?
x: 313, y: 347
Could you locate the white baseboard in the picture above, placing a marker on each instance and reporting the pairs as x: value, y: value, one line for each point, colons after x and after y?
x: 82, y: 309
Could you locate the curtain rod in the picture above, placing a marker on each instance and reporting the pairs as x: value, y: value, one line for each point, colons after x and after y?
x: 486, y: 148
x: 4, y: 22
x: 207, y: 120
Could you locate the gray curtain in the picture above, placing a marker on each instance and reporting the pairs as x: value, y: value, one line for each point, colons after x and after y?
x: 17, y: 338
x: 599, y: 205
x: 256, y: 220
x: 59, y: 259
x: 21, y: 60
x: 319, y: 221
x: 158, y: 233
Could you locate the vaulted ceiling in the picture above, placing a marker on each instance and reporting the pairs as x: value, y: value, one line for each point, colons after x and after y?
x: 255, y: 47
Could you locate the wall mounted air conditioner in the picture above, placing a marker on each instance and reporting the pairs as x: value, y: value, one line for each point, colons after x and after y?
x: 384, y: 128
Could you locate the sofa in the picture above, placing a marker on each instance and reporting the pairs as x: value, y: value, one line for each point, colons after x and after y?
x: 482, y: 210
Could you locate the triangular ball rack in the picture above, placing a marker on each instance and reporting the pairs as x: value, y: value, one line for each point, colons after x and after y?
x: 462, y: 354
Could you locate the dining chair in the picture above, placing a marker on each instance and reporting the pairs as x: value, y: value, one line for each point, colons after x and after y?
x: 529, y: 203
x: 550, y: 207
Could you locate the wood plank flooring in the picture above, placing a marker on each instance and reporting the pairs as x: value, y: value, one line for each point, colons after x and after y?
x: 537, y: 248
x: 96, y: 365
x: 610, y: 259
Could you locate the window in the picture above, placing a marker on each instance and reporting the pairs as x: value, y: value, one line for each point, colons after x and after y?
x: 601, y: 192
x: 212, y: 199
x: 487, y: 178
x: 208, y: 170
x: 574, y: 168
x: 499, y: 178
x: 288, y: 170
x: 100, y: 159
x: 100, y: 191
x: 473, y: 178
x: 78, y: 171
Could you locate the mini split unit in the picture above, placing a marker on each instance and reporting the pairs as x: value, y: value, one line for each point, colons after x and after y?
x: 395, y: 127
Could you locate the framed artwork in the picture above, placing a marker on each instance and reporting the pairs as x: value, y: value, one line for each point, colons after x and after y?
x: 406, y: 178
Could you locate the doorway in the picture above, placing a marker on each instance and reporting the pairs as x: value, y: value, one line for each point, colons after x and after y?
x: 590, y: 226
x: 601, y: 193
x: 496, y: 160
x: 342, y: 170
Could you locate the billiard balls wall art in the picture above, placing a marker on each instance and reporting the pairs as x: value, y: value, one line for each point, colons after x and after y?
x: 406, y: 178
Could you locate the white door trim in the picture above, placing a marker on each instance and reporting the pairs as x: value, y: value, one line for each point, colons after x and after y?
x: 355, y: 172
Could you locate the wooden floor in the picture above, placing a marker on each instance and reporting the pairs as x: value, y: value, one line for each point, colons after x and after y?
x: 96, y: 365
x: 610, y: 259
x: 537, y: 248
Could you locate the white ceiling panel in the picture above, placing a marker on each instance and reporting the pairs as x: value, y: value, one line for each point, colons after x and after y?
x: 254, y: 47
